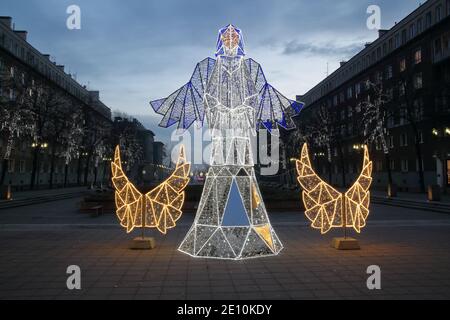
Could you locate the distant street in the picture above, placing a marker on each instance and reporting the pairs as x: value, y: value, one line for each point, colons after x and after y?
x: 38, y: 243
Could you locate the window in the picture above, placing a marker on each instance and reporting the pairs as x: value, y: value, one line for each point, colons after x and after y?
x: 23, y: 78
x: 412, y: 31
x: 401, y: 90
x: 350, y: 92
x: 11, y: 165
x: 391, y: 44
x: 448, y: 7
x: 378, y: 77
x: 428, y: 19
x: 420, y: 137
x: 404, y: 163
x: 358, y: 89
x: 438, y: 13
x: 343, y: 114
x: 418, y: 109
x: 438, y: 46
x: 397, y: 41
x: 392, y: 165
x: 418, y: 84
x: 341, y: 97
x: 22, y: 166
x: 418, y: 56
x: 11, y: 72
x: 389, y: 94
x: 448, y: 164
x: 391, y: 142
x: 389, y: 72
x: 404, y: 36
x: 404, y: 140
x: 402, y: 113
x: 417, y: 165
x: 378, y: 145
x: 419, y: 27
x: 379, y: 166
x: 12, y: 95
x: 402, y: 65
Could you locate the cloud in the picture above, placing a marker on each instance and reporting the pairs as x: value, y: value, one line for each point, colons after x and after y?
x: 328, y: 49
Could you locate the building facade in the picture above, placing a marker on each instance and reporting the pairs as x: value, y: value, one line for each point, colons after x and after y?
x: 26, y: 65
x: 411, y: 65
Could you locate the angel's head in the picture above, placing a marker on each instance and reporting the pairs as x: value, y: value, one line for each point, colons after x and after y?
x: 230, y: 42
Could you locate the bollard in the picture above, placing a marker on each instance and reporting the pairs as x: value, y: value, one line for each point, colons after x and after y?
x: 392, y: 190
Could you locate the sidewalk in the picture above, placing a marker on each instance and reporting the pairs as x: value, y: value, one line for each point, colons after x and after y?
x: 20, y: 195
x: 415, y: 197
x: 39, y: 196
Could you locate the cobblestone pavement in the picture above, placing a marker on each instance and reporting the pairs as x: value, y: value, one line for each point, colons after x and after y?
x: 38, y: 243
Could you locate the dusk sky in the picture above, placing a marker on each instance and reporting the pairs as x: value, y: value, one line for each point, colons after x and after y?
x: 136, y: 51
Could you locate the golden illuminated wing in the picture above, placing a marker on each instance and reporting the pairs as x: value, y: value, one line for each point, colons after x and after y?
x: 323, y: 204
x: 163, y: 204
x: 128, y: 198
x: 357, y: 198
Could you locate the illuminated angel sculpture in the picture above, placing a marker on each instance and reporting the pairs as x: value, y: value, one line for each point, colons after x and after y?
x: 160, y: 208
x: 324, y: 205
x: 234, y: 96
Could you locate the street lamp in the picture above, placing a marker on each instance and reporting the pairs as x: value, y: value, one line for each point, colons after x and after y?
x: 435, y: 132
x: 358, y: 147
x: 447, y: 131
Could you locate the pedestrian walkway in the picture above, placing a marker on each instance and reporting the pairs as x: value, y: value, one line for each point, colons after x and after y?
x: 24, y: 198
x: 410, y: 196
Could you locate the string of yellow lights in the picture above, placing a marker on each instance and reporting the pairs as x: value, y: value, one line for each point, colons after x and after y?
x: 160, y: 208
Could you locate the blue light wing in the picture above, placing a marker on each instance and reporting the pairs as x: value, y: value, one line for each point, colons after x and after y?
x: 186, y: 105
x: 274, y: 109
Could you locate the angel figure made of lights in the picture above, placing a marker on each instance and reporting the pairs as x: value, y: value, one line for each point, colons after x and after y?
x: 232, y: 93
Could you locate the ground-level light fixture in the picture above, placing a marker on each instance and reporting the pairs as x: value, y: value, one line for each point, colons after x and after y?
x: 328, y: 208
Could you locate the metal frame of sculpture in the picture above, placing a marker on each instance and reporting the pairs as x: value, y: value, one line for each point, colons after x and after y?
x: 160, y: 208
x: 324, y: 205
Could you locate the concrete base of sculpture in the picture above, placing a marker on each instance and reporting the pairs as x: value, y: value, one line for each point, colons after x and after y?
x: 345, y: 244
x: 141, y: 243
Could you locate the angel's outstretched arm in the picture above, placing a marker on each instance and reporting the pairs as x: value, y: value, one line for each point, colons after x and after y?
x: 273, y: 108
x: 185, y: 105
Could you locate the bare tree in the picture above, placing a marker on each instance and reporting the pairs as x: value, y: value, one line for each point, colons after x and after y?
x: 95, y: 137
x: 374, y: 120
x: 322, y: 134
x: 411, y: 110
x: 43, y: 100
x: 15, y: 115
x: 71, y: 137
